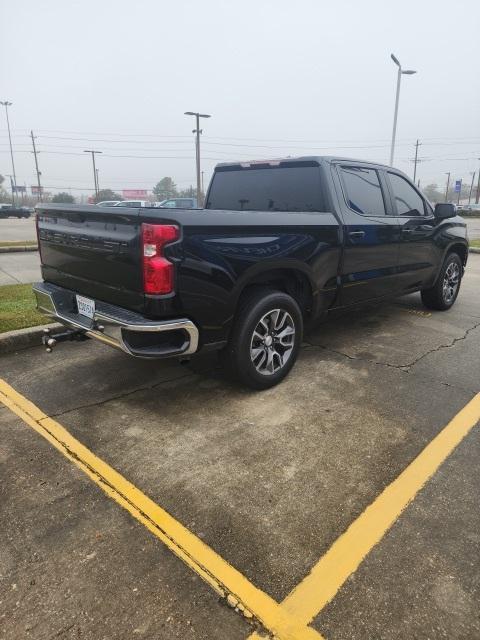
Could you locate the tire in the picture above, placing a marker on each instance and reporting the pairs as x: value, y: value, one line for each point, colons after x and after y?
x: 257, y: 354
x: 443, y: 294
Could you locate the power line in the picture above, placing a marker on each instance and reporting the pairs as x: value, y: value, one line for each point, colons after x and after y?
x: 157, y: 135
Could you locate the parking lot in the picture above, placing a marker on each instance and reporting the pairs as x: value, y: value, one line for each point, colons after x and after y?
x: 271, y: 502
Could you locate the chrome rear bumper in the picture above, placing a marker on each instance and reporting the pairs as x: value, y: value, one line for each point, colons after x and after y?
x: 118, y: 327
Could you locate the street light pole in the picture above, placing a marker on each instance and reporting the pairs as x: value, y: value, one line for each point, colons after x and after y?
x: 401, y: 72
x: 95, y: 177
x: 7, y: 104
x: 198, y: 131
x: 448, y: 184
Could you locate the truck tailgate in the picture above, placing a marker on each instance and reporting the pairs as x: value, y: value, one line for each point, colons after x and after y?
x: 93, y: 250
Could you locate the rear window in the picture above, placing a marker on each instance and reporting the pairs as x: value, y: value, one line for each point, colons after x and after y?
x: 291, y: 188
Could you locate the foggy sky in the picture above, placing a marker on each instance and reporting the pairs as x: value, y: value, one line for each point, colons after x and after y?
x: 279, y: 78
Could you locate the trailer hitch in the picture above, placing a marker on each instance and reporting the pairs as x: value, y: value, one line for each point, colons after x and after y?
x: 50, y: 341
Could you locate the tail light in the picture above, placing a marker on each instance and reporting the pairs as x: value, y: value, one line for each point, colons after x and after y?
x: 158, y: 272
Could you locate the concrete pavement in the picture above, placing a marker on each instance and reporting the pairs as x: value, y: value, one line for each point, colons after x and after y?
x: 473, y: 225
x: 19, y: 268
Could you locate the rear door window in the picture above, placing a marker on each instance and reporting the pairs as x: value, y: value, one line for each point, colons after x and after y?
x: 407, y: 200
x: 277, y: 188
x: 363, y: 190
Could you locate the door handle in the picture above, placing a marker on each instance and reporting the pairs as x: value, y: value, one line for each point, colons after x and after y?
x: 408, y: 230
x: 357, y: 234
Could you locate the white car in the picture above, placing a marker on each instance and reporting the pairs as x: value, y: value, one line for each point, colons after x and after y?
x: 108, y: 203
x: 134, y: 203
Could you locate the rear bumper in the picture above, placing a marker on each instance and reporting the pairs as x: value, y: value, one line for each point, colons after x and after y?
x: 118, y: 327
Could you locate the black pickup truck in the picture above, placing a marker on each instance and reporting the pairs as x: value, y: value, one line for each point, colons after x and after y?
x: 279, y: 243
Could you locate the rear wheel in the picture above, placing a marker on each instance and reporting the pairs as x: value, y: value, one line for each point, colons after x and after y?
x: 265, y: 340
x: 443, y: 294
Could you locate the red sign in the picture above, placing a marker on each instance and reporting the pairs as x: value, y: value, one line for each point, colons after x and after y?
x: 141, y: 194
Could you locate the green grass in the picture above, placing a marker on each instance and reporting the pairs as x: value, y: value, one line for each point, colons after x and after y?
x: 17, y: 308
x: 475, y: 243
x: 18, y: 243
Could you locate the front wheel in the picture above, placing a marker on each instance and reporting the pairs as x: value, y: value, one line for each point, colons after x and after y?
x: 443, y: 294
x: 265, y: 340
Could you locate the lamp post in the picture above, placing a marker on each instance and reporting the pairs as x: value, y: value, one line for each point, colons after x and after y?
x: 7, y: 104
x: 198, y: 131
x: 401, y: 72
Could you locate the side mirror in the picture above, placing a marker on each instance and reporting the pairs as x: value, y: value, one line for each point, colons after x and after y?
x: 445, y: 210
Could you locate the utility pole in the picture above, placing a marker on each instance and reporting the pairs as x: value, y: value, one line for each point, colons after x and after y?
x: 203, y: 190
x: 459, y: 191
x: 407, y: 72
x: 36, y: 167
x: 471, y: 187
x: 198, y: 131
x: 448, y: 184
x: 7, y: 104
x: 417, y: 144
x: 9, y: 175
x: 95, y: 175
x: 98, y: 183
x: 477, y: 197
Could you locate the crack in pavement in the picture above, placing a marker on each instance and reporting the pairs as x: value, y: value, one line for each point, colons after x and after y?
x: 406, y: 368
x: 306, y: 345
x: 119, y: 396
x: 444, y: 346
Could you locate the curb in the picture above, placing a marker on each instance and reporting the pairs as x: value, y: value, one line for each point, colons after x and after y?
x: 19, y: 248
x: 20, y: 339
x: 473, y: 250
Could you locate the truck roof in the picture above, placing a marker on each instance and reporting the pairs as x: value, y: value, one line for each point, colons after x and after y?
x: 299, y: 159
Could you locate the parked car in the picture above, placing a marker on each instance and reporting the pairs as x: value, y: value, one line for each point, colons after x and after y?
x: 471, y: 208
x: 134, y: 203
x: 109, y: 203
x: 179, y: 203
x: 279, y: 244
x: 11, y: 211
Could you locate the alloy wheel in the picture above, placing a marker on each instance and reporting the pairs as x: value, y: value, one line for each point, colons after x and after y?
x: 451, y: 282
x: 272, y: 341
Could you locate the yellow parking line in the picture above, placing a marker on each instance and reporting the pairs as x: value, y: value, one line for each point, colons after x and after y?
x: 318, y: 588
x: 224, y: 578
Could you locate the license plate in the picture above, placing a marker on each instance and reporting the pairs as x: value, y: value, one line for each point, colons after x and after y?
x: 86, y: 307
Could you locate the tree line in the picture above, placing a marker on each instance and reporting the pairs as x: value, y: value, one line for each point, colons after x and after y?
x: 163, y: 190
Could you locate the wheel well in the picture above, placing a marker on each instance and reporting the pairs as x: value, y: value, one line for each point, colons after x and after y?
x: 461, y: 250
x: 290, y: 281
